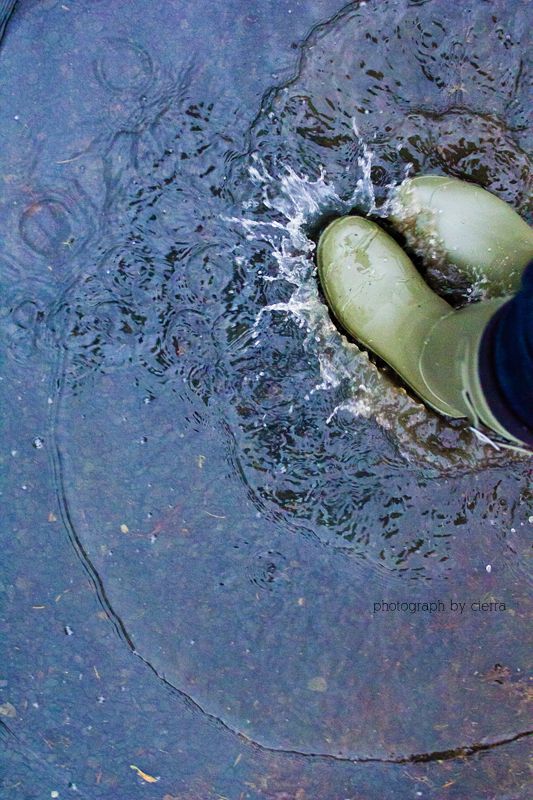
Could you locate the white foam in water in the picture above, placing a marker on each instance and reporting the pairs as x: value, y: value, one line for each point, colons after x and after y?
x: 365, y: 187
x: 301, y: 202
x: 357, y: 407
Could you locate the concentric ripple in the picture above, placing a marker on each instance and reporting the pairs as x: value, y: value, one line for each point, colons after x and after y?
x: 275, y: 481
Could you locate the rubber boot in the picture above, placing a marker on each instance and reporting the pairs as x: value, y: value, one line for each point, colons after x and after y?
x: 378, y: 296
x: 460, y: 225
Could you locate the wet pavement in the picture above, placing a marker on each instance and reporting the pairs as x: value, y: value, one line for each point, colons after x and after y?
x: 239, y: 561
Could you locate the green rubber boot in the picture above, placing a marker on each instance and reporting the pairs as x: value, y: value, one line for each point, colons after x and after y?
x: 466, y: 228
x: 378, y: 296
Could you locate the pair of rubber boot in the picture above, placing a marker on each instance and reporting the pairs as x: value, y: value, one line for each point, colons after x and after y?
x: 380, y: 298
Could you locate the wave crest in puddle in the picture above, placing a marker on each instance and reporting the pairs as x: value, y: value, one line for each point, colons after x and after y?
x: 332, y: 432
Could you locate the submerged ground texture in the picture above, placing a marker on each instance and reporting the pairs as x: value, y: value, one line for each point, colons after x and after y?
x: 239, y: 561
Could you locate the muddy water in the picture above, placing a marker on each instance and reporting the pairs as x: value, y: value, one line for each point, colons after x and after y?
x: 240, y: 487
